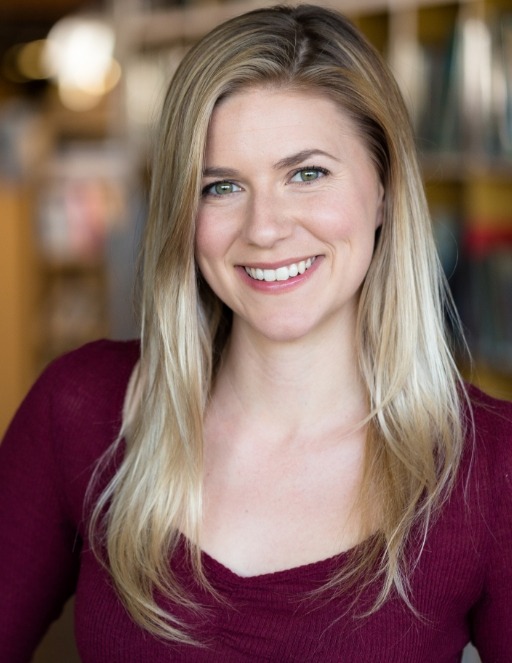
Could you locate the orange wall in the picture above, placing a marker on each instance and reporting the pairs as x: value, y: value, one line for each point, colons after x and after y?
x: 17, y: 286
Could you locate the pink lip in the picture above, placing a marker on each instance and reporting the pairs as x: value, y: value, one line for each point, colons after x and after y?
x: 276, y: 287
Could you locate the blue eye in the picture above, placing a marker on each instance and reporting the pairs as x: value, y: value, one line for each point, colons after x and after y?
x: 220, y: 189
x: 309, y: 174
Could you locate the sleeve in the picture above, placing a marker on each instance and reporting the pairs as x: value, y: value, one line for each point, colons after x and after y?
x: 491, y: 618
x: 39, y: 547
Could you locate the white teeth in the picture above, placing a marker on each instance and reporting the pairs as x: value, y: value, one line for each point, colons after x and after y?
x: 281, y: 273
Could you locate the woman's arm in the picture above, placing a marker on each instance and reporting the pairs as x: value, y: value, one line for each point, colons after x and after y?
x: 491, y: 618
x: 39, y: 547
x: 69, y: 419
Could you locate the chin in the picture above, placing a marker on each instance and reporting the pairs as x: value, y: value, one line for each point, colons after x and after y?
x: 284, y: 332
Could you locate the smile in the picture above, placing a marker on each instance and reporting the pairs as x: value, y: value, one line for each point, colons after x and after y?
x: 281, y: 273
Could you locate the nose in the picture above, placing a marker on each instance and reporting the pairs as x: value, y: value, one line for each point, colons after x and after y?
x: 267, y: 220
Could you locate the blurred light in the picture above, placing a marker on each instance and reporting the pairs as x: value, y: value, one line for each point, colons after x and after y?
x: 113, y: 76
x: 24, y: 62
x: 30, y: 60
x: 10, y: 65
x: 79, y: 55
x: 76, y: 99
x: 81, y: 99
x: 477, y: 69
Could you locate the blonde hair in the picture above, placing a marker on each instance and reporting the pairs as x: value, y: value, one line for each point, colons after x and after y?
x: 415, y: 427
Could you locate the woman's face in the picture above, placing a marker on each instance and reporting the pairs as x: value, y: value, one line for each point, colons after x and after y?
x: 290, y: 205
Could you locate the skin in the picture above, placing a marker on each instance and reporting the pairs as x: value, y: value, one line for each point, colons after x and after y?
x: 286, y: 178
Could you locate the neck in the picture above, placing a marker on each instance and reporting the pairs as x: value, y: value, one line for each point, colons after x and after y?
x: 309, y: 386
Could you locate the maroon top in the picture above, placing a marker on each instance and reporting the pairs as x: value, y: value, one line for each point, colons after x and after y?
x: 462, y: 586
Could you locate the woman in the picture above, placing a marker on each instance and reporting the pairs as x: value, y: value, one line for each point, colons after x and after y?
x: 299, y: 473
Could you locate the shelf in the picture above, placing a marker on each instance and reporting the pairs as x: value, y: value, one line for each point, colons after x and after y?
x: 144, y: 29
x: 459, y: 167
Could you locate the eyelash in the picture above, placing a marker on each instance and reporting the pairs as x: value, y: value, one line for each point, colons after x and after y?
x: 207, y: 190
x: 324, y: 171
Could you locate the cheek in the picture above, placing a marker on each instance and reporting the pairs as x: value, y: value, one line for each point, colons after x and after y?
x: 216, y: 230
x: 350, y: 228
x: 212, y: 243
x: 201, y: 242
x: 336, y: 222
x: 206, y: 241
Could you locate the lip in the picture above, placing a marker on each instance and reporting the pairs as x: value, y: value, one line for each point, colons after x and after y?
x: 275, y: 287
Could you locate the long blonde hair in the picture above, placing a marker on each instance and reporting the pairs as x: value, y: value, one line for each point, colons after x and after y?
x: 415, y: 427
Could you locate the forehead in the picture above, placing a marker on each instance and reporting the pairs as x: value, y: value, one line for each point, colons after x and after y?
x: 270, y: 117
x: 275, y: 94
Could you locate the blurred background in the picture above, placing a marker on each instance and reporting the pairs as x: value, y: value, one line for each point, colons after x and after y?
x: 80, y: 88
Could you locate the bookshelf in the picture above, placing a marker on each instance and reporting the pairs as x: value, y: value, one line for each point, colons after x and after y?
x: 64, y: 189
x: 80, y: 202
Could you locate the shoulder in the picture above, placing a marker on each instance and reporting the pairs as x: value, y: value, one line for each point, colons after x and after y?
x: 490, y: 428
x: 482, y: 495
x: 73, y: 414
x: 488, y: 470
x: 89, y: 380
x: 489, y: 492
x: 84, y: 391
x: 491, y: 414
x: 92, y: 377
x: 100, y: 363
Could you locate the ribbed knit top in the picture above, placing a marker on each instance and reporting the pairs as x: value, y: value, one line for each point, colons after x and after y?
x: 461, y: 588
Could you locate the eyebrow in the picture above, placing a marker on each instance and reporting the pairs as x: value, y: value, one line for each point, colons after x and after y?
x: 287, y: 162
x: 299, y: 157
x: 221, y: 173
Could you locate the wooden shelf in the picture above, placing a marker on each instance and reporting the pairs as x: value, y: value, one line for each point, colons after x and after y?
x: 151, y: 29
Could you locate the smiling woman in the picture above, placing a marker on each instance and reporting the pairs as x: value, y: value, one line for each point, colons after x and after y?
x: 300, y: 211
x: 288, y: 467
